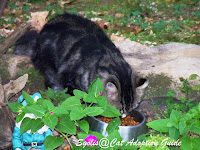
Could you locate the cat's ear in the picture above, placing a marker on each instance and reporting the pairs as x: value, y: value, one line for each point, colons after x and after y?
x: 111, y: 91
x: 141, y: 84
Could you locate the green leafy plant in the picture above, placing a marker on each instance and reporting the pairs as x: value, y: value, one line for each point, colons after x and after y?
x: 183, y: 122
x: 63, y: 115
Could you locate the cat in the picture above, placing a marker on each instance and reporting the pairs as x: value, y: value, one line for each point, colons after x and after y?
x: 72, y: 51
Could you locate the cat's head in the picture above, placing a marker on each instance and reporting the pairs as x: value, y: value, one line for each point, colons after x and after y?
x: 124, y: 93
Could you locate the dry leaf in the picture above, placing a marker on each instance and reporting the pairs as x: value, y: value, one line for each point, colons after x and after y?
x: 14, y: 11
x: 15, y: 86
x: 66, y: 2
x: 133, y: 29
x: 116, y: 38
x: 102, y: 13
x: 67, y: 147
x: 119, y: 15
x: 6, y: 11
x: 5, y: 32
x: 38, y: 19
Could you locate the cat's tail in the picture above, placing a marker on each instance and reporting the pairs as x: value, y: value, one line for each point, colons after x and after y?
x: 26, y: 44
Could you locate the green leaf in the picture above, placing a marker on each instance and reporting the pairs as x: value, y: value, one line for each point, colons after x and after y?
x: 196, y: 87
x: 193, y: 76
x: 82, y: 135
x: 36, y: 125
x: 25, y: 125
x: 96, y: 87
x: 50, y: 93
x: 195, y: 127
x: 175, y: 117
x: 35, y: 109
x: 77, y: 114
x: 170, y: 94
x: 174, y: 133
x: 111, y: 111
x: 102, y: 101
x: 51, y: 121
x: 52, y: 142
x: 67, y: 126
x: 189, y: 143
x: 89, y: 98
x: 71, y: 103
x: 159, y: 125
x: 199, y: 107
x: 93, y: 111
x: 84, y: 125
x: 113, y: 135
x: 97, y: 134
x: 47, y: 105
x: 195, y: 142
x: 28, y: 98
x: 79, y: 94
x: 15, y: 107
x: 20, y: 117
x: 182, y: 126
x: 59, y: 111
x: 113, y: 125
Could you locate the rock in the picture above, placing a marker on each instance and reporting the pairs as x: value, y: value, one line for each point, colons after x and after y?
x: 163, y: 65
x: 11, y: 65
x: 6, y: 122
x: 6, y: 128
x: 15, y: 86
x: 2, y: 97
x: 153, y: 108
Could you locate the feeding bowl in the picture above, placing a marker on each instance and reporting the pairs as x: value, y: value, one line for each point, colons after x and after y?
x: 127, y: 132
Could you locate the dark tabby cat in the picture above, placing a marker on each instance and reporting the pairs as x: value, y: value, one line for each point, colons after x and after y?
x: 72, y: 51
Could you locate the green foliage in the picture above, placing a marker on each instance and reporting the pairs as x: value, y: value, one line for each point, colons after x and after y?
x: 185, y: 104
x: 33, y: 75
x: 52, y: 142
x: 61, y: 112
x: 181, y: 124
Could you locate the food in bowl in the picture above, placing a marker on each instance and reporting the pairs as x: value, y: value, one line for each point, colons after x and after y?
x: 126, y: 121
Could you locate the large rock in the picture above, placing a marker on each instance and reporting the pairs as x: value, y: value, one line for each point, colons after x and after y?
x: 163, y: 65
x: 11, y: 65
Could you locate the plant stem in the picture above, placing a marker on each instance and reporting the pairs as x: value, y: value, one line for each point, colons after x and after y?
x: 90, y: 105
x: 65, y: 137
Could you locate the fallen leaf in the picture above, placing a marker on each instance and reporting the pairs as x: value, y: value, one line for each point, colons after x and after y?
x: 6, y: 11
x: 101, y: 22
x: 191, y: 3
x: 116, y: 38
x: 118, y: 15
x: 15, y: 86
x: 14, y: 11
x: 102, y: 13
x: 28, y: 91
x: 133, y: 29
x: 144, y: 15
x: 67, y: 147
x: 182, y: 27
x: 5, y: 32
x: 66, y: 2
x: 38, y: 19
